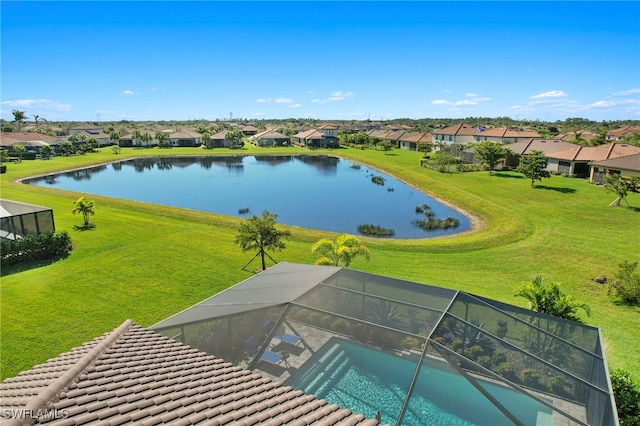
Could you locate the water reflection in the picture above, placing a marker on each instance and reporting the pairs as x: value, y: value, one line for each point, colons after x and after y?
x: 320, y: 192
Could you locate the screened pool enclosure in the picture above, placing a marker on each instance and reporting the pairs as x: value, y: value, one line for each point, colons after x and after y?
x: 409, y: 353
x: 20, y: 219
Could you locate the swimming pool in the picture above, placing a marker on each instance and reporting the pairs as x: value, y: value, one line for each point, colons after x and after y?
x: 368, y: 381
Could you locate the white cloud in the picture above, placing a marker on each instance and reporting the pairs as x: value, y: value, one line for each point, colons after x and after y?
x: 127, y: 92
x: 258, y: 114
x: 602, y: 104
x: 294, y: 106
x: 465, y: 102
x: 317, y: 101
x: 545, y: 97
x: 37, y: 104
x: 440, y: 102
x: 471, y: 95
x: 272, y: 100
x: 634, y: 91
x: 338, y: 95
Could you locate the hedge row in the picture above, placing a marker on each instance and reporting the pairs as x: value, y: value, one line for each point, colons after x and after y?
x: 32, y: 248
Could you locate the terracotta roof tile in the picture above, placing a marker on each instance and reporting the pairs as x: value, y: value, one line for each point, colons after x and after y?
x: 135, y: 375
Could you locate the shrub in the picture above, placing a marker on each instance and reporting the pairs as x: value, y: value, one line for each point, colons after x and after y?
x: 626, y: 286
x: 484, y: 361
x: 378, y: 180
x: 376, y: 230
x: 31, y: 248
x: 507, y: 371
x: 530, y: 377
x: 626, y: 391
x: 499, y: 357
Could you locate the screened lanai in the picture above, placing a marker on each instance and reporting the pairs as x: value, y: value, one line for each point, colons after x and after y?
x: 408, y: 353
x: 20, y: 219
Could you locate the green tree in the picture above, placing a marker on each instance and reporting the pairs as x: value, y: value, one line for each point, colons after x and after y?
x: 343, y: 250
x: 206, y: 138
x: 46, y: 151
x: 145, y: 137
x: 163, y: 139
x: 491, y: 153
x: 66, y: 147
x: 386, y: 146
x: 549, y: 299
x: 20, y: 150
x: 260, y: 233
x: 136, y: 136
x: 443, y: 160
x: 19, y: 118
x: 533, y: 166
x: 114, y: 137
x: 36, y: 117
x: 234, y: 137
x: 84, y: 207
x: 621, y: 186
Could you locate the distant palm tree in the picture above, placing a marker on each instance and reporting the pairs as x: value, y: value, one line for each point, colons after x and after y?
x: 343, y: 250
x: 18, y: 118
x: 85, y: 207
x: 36, y: 117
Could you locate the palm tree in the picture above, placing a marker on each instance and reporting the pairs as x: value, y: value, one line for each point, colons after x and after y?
x: 86, y: 207
x: 18, y: 118
x: 343, y: 250
x: 114, y: 137
x: 36, y: 117
x: 549, y: 299
x: 136, y: 136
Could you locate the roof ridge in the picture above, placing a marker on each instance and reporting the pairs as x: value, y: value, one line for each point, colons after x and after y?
x: 40, y: 401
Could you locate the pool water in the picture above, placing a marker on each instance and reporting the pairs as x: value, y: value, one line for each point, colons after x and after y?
x: 368, y: 381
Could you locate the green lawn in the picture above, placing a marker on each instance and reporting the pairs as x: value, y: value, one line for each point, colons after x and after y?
x: 147, y: 262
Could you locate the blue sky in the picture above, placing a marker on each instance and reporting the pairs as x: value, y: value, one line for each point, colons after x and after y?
x: 329, y: 60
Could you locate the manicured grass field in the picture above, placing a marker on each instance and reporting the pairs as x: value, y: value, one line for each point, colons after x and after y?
x: 147, y: 262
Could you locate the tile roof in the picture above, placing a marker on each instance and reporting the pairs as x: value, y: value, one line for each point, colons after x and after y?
x: 628, y: 162
x: 309, y: 134
x: 134, y: 375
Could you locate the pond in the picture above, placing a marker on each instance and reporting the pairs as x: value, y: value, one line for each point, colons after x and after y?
x: 318, y: 192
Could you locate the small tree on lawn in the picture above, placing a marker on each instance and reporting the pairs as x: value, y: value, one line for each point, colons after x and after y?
x: 533, y: 166
x: 343, y: 250
x: 621, y: 185
x: 20, y: 150
x: 386, y: 146
x: 549, y: 299
x: 46, y: 151
x: 491, y: 153
x: 84, y: 207
x: 260, y: 233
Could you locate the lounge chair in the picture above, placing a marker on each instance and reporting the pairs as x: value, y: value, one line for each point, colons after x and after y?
x: 270, y: 357
x: 288, y: 338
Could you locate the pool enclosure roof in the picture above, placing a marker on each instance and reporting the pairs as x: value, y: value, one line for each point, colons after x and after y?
x: 277, y: 322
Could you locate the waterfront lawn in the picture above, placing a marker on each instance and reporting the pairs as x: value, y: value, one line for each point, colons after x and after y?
x: 147, y: 262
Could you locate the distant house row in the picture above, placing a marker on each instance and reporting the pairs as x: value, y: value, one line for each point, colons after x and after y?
x: 563, y: 156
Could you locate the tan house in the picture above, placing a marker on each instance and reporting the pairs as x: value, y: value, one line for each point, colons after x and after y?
x: 617, y: 134
x: 270, y: 138
x: 311, y: 138
x: 628, y: 165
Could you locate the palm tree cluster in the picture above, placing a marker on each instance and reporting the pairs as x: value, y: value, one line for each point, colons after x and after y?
x: 549, y: 299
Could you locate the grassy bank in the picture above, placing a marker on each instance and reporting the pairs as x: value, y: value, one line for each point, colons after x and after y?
x: 147, y: 262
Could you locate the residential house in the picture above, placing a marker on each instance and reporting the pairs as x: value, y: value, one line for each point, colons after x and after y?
x: 312, y: 138
x: 185, y: 138
x: 134, y: 375
x: 546, y: 146
x: 628, y: 165
x: 249, y: 130
x: 91, y: 129
x: 617, y: 134
x: 465, y: 134
x: 32, y: 141
x: 219, y: 140
x: 459, y: 134
x: 270, y: 138
x: 413, y: 140
x: 330, y: 132
x: 573, y: 136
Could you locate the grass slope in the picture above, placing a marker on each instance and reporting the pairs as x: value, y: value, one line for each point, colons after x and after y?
x: 147, y: 262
